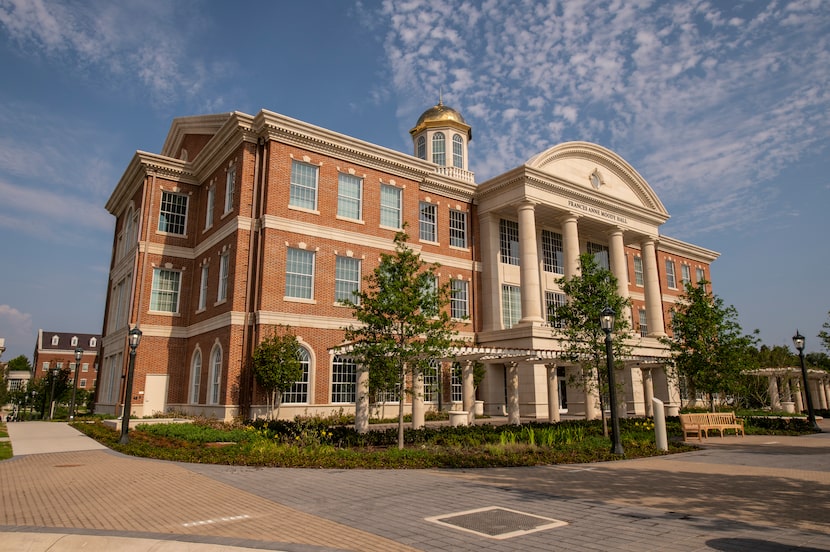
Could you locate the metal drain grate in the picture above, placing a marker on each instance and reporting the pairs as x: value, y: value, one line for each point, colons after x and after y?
x: 496, y: 523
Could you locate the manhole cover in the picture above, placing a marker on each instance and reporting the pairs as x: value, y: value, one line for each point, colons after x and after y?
x: 496, y: 523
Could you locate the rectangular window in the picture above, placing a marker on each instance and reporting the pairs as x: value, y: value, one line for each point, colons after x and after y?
x: 303, y: 191
x: 390, y: 206
x: 509, y: 241
x: 638, y: 271
x: 685, y: 273
x: 427, y: 222
x: 82, y: 383
x: 299, y: 274
x: 553, y: 255
x: 456, y: 387
x: 458, y: 228
x: 223, y: 277
x: 173, y: 214
x: 85, y: 367
x: 701, y: 276
x: 600, y: 253
x: 211, y: 201
x: 71, y: 366
x: 553, y: 301
x: 458, y: 299
x: 511, y: 305
x: 164, y: 296
x: 343, y: 380
x: 643, y: 323
x: 349, y: 196
x: 45, y: 366
x: 346, y: 279
x: 203, y: 288
x: 670, y: 279
x: 229, y: 186
x: 430, y: 376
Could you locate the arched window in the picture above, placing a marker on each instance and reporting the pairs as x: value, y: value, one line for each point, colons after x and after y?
x: 422, y: 148
x: 195, y: 376
x: 215, y: 375
x: 439, y: 150
x: 299, y: 390
x: 457, y: 151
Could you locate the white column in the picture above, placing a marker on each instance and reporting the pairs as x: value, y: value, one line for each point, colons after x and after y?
x: 417, y: 400
x: 799, y: 400
x: 592, y: 398
x: 553, y: 393
x: 648, y: 391
x: 361, y: 410
x: 822, y: 395
x: 513, y: 416
x: 468, y: 391
x: 529, y: 263
x: 570, y: 245
x: 616, y: 250
x: 651, y: 278
x: 774, y: 395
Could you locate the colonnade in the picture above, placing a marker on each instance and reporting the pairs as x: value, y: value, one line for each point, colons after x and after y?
x: 790, y: 391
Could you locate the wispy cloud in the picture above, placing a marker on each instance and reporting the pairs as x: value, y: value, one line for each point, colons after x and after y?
x: 705, y: 99
x: 16, y: 327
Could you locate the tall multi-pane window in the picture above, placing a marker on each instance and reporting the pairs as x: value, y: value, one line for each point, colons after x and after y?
x: 685, y: 273
x: 600, y: 253
x: 701, y: 276
x: 511, y: 305
x: 346, y: 279
x: 459, y: 299
x: 195, y: 377
x: 164, y: 296
x: 203, y: 288
x: 427, y: 221
x: 303, y: 192
x: 229, y: 186
x: 215, y: 375
x: 223, y: 277
x: 509, y: 241
x: 211, y: 201
x: 298, y: 393
x: 299, y: 274
x: 553, y: 255
x: 670, y: 278
x: 553, y: 301
x: 349, y: 196
x: 173, y: 213
x: 343, y: 380
x: 430, y: 376
x: 422, y: 148
x: 458, y: 228
x: 390, y: 206
x: 456, y: 387
x: 457, y: 151
x: 439, y: 149
x: 643, y: 323
x: 638, y: 271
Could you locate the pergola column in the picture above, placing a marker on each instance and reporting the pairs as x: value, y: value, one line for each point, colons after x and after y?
x: 651, y: 278
x: 774, y: 396
x: 468, y: 390
x: 361, y: 411
x: 822, y: 395
x: 799, y: 400
x: 648, y: 391
x: 570, y: 246
x: 529, y: 265
x: 418, y: 419
x: 553, y: 393
x: 513, y: 416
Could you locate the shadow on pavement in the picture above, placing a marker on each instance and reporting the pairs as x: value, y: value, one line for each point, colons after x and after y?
x: 756, y: 545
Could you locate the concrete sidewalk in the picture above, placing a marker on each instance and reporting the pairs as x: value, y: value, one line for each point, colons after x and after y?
x: 753, y: 493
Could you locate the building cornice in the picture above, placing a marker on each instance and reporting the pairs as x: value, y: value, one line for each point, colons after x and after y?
x: 145, y: 164
x: 684, y: 249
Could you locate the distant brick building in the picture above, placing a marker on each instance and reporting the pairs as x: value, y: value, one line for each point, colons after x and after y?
x: 245, y: 222
x: 57, y: 350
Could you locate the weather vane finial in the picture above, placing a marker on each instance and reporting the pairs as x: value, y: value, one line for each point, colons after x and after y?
x: 440, y: 95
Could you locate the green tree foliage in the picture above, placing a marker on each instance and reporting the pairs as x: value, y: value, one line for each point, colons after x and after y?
x: 818, y: 360
x: 589, y: 293
x: 402, y: 321
x: 17, y: 364
x: 276, y: 365
x: 707, y: 345
x: 778, y: 356
x: 824, y: 334
x: 20, y: 364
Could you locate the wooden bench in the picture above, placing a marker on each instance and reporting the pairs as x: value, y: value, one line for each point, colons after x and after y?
x: 700, y: 424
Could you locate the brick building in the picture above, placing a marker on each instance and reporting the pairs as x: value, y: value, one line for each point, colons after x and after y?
x: 57, y: 350
x: 245, y: 222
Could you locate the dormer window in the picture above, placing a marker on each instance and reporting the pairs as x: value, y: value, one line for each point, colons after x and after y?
x: 74, y: 340
x: 93, y: 342
x: 55, y: 340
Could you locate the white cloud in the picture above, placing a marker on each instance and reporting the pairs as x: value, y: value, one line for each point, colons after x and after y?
x: 16, y: 327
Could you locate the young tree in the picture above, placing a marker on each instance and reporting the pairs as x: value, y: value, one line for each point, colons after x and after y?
x: 707, y: 345
x: 589, y: 293
x: 276, y: 366
x: 402, y: 322
x: 824, y: 334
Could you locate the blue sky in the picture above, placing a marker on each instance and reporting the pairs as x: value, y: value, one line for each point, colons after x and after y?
x: 723, y: 107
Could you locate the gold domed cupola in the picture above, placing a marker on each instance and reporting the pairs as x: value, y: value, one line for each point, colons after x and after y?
x: 441, y: 135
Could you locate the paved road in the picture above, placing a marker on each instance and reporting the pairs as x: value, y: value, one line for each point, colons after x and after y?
x: 758, y: 494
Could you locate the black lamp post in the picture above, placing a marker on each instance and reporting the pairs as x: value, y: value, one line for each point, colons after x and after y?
x: 606, y: 321
x: 79, y: 353
x: 55, y: 373
x: 135, y: 339
x: 798, y: 341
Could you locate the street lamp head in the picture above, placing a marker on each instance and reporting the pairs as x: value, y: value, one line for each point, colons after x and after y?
x: 135, y: 338
x: 606, y: 319
x: 798, y: 341
x: 79, y: 353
